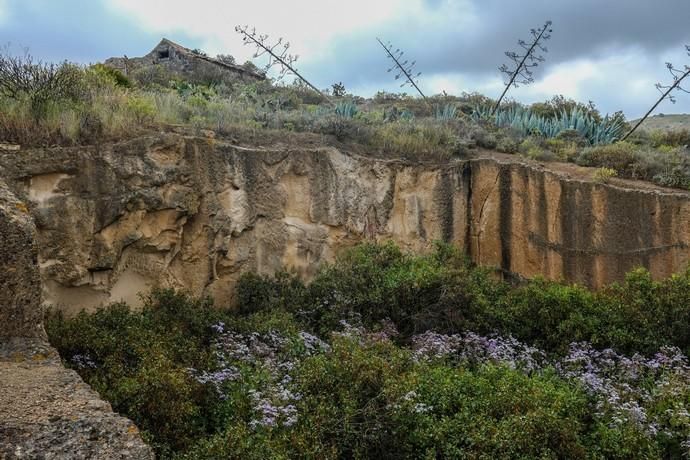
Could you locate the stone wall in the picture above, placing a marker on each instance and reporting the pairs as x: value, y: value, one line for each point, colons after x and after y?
x: 193, y: 213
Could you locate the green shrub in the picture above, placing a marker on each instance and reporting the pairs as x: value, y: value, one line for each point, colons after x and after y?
x: 604, y: 175
x: 259, y: 293
x: 371, y: 400
x: 550, y: 315
x: 419, y: 139
x: 557, y: 105
x: 670, y: 169
x: 376, y: 282
x: 142, y: 110
x: 138, y: 362
x: 565, y: 148
x: 491, y: 412
x: 670, y: 137
x: 535, y: 149
x: 621, y: 157
x: 114, y: 75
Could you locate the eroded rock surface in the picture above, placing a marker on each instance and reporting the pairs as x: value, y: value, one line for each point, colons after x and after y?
x: 20, y: 294
x: 193, y: 213
x: 46, y: 411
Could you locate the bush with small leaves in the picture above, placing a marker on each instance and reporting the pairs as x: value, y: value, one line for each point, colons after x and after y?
x: 604, y: 175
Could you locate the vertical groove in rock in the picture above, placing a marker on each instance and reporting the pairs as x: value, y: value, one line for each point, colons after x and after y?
x: 505, y: 206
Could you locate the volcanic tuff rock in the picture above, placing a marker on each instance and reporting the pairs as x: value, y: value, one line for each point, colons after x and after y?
x: 194, y: 213
x: 46, y: 411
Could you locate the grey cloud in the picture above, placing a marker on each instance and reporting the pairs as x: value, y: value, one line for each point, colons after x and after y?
x: 586, y: 28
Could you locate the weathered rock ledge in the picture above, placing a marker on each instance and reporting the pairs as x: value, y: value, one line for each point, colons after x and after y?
x: 46, y: 411
x: 193, y: 213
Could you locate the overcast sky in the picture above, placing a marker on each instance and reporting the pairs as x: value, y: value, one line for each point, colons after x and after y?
x: 609, y: 51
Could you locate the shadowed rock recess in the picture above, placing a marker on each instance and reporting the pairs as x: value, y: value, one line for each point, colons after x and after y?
x: 46, y: 411
x: 187, y: 212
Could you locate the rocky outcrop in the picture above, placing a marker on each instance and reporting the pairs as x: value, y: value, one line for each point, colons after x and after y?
x: 20, y: 298
x: 195, y: 213
x: 46, y: 411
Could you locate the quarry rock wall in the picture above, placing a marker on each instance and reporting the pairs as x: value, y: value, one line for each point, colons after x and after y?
x: 46, y: 411
x: 21, y: 314
x: 195, y: 213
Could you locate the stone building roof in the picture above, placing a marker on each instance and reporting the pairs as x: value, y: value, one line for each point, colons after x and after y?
x: 179, y: 59
x: 192, y: 55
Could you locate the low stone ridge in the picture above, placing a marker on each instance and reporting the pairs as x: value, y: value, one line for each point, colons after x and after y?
x: 46, y: 411
x: 181, y: 211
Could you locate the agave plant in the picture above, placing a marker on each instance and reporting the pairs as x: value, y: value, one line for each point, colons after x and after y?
x: 406, y: 115
x: 595, y: 131
x: 346, y: 109
x: 445, y: 112
x: 524, y: 121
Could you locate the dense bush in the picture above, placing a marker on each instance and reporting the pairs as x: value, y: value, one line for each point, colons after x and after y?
x: 441, y: 291
x: 391, y: 355
x: 138, y: 361
x: 669, y: 166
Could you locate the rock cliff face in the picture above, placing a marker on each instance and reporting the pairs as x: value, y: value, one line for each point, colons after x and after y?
x: 21, y: 315
x: 194, y: 213
x: 46, y: 411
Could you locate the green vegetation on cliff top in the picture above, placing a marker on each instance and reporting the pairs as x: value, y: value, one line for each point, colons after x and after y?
x: 96, y: 104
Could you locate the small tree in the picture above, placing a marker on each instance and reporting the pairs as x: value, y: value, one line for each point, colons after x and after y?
x: 23, y: 77
x: 278, y: 55
x: 666, y: 90
x: 226, y: 59
x: 338, y: 89
x: 404, y: 68
x: 524, y: 63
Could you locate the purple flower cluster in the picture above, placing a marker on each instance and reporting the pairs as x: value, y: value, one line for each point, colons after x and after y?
x: 354, y: 330
x: 217, y: 378
x: 417, y: 407
x: 624, y: 386
x: 312, y: 343
x: 238, y: 355
x: 274, y: 409
x: 83, y: 361
x: 624, y: 389
x: 476, y: 349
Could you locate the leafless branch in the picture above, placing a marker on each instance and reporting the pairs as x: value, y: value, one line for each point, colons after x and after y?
x: 521, y: 73
x: 403, y: 68
x: 678, y: 75
x: 278, y: 55
x: 21, y: 76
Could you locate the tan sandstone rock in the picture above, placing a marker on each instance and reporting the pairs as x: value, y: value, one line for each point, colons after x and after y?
x: 46, y: 411
x: 190, y: 212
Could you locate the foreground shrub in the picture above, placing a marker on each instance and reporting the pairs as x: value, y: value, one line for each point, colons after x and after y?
x: 391, y: 355
x: 138, y: 360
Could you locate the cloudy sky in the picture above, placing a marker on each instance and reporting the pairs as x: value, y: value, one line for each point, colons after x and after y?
x: 609, y: 51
